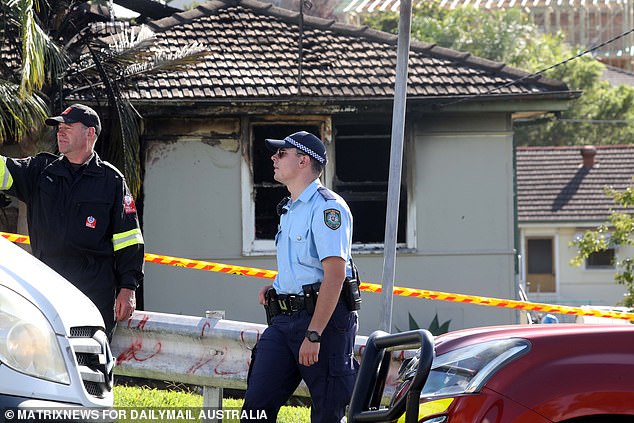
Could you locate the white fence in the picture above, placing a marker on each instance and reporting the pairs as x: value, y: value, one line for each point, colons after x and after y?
x: 205, y: 351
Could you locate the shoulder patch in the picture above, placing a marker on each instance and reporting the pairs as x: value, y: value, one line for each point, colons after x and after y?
x: 332, y: 218
x: 326, y: 193
x: 128, y: 204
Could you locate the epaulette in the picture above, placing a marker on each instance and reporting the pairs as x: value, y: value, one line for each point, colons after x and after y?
x: 326, y: 193
x: 113, y: 167
x: 48, y: 155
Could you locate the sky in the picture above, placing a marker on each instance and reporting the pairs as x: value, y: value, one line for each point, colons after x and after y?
x: 124, y: 13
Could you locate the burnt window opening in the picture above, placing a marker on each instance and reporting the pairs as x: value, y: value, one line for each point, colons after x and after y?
x: 601, y: 259
x: 268, y: 192
x: 362, y: 159
x: 358, y: 171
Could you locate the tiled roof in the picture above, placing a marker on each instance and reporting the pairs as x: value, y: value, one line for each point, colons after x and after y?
x: 254, y: 55
x: 553, y: 186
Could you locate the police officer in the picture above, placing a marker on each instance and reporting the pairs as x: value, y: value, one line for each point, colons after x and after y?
x: 82, y: 218
x: 313, y: 243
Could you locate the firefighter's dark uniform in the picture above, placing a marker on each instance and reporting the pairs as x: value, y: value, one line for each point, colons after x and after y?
x: 82, y: 223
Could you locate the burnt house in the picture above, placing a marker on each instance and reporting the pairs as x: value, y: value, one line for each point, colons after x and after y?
x: 208, y: 191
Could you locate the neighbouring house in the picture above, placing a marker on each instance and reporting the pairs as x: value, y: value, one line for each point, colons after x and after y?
x: 208, y: 191
x: 560, y: 196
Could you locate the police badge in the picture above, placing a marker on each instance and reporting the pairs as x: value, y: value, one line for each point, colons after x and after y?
x: 332, y: 218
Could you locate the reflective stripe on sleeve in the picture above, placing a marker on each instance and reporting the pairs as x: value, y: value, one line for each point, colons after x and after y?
x: 125, y: 239
x: 6, y: 180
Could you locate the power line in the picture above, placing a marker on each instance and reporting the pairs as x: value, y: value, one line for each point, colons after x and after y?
x: 538, y: 74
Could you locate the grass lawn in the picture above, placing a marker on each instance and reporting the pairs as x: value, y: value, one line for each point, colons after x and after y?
x: 132, y: 399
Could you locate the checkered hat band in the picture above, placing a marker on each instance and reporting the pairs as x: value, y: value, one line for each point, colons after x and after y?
x: 305, y: 149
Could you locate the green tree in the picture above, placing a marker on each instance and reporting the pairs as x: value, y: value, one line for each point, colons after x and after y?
x: 618, y: 231
x: 23, y: 69
x: 56, y: 50
x: 601, y: 116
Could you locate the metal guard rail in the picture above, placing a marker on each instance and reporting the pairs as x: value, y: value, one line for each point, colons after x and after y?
x: 203, y: 351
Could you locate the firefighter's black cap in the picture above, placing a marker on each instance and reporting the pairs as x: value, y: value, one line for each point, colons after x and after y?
x: 77, y: 113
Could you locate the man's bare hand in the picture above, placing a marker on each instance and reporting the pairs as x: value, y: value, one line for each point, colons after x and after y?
x: 125, y: 304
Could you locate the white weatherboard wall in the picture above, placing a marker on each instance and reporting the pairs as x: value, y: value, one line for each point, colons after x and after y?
x: 462, y: 203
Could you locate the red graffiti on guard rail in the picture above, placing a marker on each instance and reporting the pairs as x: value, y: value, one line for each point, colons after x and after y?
x: 137, y: 345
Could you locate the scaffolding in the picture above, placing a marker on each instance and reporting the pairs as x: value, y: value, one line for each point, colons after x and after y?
x: 584, y: 23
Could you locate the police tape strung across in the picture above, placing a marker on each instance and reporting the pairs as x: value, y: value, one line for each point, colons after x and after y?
x: 128, y: 414
x: 369, y: 287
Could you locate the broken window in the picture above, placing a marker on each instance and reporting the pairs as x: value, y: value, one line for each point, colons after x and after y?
x: 362, y: 152
x: 269, y: 192
x: 358, y: 169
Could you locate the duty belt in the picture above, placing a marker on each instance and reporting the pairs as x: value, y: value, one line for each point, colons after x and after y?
x: 290, y: 304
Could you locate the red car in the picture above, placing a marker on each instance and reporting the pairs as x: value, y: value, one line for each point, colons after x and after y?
x: 523, y: 374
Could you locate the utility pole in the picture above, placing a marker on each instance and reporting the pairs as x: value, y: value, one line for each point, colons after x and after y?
x: 396, y: 163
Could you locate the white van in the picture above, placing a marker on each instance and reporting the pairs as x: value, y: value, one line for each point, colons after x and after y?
x: 53, y: 349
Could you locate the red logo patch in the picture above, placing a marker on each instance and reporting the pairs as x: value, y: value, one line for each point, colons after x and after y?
x: 91, y: 222
x: 68, y: 109
x: 128, y: 204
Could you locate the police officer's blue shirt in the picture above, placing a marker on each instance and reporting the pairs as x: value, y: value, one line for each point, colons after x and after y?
x: 315, y: 226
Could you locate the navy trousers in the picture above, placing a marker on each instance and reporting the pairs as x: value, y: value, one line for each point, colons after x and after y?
x: 275, y: 372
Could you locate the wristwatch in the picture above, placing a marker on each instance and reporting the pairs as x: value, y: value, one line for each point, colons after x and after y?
x: 313, y: 336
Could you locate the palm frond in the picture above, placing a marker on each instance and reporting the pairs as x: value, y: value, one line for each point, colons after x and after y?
x: 129, y: 53
x: 19, y: 115
x: 123, y: 146
x: 164, y: 60
x: 41, y: 59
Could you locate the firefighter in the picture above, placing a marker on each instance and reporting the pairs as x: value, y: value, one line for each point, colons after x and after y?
x: 82, y: 218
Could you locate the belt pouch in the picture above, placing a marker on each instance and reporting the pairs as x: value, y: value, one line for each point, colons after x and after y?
x: 351, y: 294
x: 311, y: 292
x: 271, y: 307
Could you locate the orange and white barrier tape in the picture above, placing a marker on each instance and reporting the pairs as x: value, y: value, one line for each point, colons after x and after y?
x: 370, y: 287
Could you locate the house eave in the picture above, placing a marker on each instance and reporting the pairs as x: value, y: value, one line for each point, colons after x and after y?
x: 524, y: 224
x: 531, y: 103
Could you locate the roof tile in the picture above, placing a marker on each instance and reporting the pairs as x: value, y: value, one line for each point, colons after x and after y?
x: 255, y: 45
x: 553, y: 185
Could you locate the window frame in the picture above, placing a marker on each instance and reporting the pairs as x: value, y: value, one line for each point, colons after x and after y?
x: 254, y: 247
x: 614, y: 248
